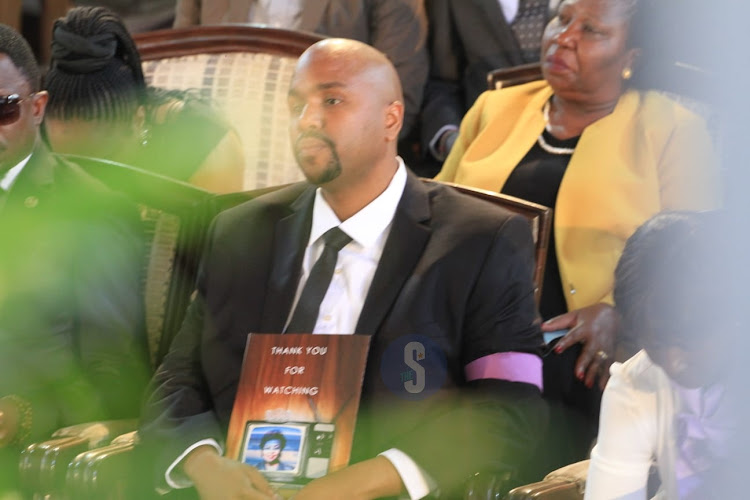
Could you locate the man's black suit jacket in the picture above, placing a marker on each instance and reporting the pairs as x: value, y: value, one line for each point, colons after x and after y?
x: 454, y: 269
x: 71, y: 308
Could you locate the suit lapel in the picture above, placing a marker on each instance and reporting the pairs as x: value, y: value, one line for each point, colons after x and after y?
x: 290, y: 239
x: 312, y: 14
x: 403, y: 248
x: 35, y: 179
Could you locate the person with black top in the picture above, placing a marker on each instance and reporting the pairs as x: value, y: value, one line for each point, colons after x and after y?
x: 467, y: 40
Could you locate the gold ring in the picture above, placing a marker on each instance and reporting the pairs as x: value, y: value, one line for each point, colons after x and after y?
x: 603, y: 355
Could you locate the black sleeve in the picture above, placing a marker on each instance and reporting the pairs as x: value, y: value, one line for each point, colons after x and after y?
x: 491, y: 425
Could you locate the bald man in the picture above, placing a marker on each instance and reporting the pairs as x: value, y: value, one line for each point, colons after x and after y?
x: 419, y: 260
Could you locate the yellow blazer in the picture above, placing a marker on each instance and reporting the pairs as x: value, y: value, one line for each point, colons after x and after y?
x: 650, y: 154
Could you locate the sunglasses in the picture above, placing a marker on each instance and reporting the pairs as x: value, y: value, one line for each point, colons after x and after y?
x: 10, y: 108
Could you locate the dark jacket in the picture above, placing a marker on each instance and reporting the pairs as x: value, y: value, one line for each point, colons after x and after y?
x: 71, y: 307
x: 454, y: 269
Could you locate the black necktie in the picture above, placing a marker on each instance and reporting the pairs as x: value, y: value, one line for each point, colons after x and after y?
x: 306, y: 313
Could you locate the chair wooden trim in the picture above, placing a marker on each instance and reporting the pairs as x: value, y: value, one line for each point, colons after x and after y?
x: 566, y: 483
x: 515, y: 75
x: 151, y: 188
x: 224, y: 38
x: 539, y: 216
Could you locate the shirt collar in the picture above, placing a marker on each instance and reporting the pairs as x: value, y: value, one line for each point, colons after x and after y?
x: 368, y: 224
x: 11, y: 175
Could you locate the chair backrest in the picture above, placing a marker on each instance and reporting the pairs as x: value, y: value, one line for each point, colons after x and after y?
x: 514, y: 75
x: 245, y: 72
x: 175, y: 219
x: 539, y: 217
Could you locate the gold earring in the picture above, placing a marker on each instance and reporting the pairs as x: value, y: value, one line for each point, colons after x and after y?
x: 627, y: 73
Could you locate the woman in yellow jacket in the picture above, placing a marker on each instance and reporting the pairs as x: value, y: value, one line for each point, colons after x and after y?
x: 604, y: 157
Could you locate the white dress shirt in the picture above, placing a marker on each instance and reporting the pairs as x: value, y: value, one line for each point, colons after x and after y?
x: 276, y: 13
x: 11, y: 175
x: 509, y: 8
x: 357, y: 261
x: 342, y: 304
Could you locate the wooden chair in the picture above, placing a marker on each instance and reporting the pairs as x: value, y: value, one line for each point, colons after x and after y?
x: 245, y: 72
x: 515, y: 75
x: 539, y: 217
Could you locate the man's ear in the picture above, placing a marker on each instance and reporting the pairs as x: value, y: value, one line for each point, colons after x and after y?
x: 394, y: 120
x: 38, y: 106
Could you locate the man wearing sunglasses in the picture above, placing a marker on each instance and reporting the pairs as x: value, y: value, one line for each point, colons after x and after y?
x: 70, y: 260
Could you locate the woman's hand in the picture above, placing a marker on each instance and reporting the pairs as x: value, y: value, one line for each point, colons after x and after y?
x: 217, y: 477
x: 374, y: 478
x: 595, y: 327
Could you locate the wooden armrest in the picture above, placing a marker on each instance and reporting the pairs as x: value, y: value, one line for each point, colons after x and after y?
x: 42, y: 466
x: 566, y: 483
x: 485, y: 485
x: 98, y: 433
x: 103, y: 473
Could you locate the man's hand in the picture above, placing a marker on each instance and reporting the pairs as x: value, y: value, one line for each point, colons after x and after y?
x: 595, y: 327
x: 9, y: 421
x: 374, y: 478
x: 217, y: 477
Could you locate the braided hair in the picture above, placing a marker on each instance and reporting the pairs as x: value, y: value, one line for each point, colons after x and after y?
x: 95, y: 71
x: 17, y: 49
